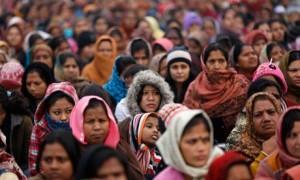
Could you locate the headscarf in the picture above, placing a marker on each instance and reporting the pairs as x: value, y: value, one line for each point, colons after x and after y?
x: 77, y: 119
x: 168, y: 111
x: 190, y: 19
x: 157, y: 32
x: 116, y: 86
x: 147, y: 157
x: 253, y: 36
x: 129, y: 46
x: 165, y: 43
x: 220, y: 94
x: 100, y: 69
x: 292, y: 88
x: 220, y: 166
x: 64, y: 87
x: 286, y: 159
x: 168, y: 144
x: 248, y: 143
x: 156, y: 61
x: 42, y: 47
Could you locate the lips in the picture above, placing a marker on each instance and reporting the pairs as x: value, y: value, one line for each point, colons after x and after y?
x: 155, y: 137
x: 151, y: 106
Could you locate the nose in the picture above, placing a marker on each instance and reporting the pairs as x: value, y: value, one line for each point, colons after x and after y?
x: 266, y: 117
x: 64, y: 117
x: 97, y: 126
x: 150, y: 96
x: 54, y: 165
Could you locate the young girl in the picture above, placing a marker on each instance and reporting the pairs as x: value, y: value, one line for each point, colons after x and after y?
x: 92, y: 122
x: 145, y: 129
x: 52, y: 113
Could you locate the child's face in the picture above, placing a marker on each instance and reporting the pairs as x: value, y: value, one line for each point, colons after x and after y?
x: 95, y: 125
x: 151, y: 131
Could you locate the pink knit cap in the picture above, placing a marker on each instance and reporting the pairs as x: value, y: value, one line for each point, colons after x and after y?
x: 270, y: 69
x: 168, y: 111
x: 165, y: 43
x: 11, y: 75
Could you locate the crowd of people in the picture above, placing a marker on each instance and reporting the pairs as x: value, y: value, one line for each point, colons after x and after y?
x: 150, y: 89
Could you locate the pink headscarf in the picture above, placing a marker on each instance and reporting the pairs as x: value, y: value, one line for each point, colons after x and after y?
x: 165, y: 43
x: 76, y: 122
x: 286, y: 158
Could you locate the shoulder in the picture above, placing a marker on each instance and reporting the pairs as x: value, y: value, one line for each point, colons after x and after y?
x: 169, y: 173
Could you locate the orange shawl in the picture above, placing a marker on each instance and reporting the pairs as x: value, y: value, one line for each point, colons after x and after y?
x: 100, y: 69
x: 221, y: 94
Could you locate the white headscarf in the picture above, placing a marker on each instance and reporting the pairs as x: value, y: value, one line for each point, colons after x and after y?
x: 168, y: 144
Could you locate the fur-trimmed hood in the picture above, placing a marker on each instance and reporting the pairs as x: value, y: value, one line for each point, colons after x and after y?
x: 147, y: 77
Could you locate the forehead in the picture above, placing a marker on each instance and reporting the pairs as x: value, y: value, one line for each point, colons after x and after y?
x: 261, y: 104
x: 150, y: 88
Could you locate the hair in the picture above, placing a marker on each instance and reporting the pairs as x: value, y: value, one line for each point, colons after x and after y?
x: 260, y: 85
x: 97, y: 90
x: 56, y: 96
x: 62, y: 58
x: 33, y: 38
x: 94, y: 103
x: 227, y: 40
x: 289, y: 119
x: 94, y: 158
x: 294, y: 56
x: 161, y: 124
x: 281, y: 21
x: 138, y: 45
x: 56, y: 42
x: 198, y: 119
x: 259, y: 23
x: 271, y: 46
x: 133, y: 69
x: 173, y: 20
x: 237, y: 50
x: 44, y: 73
x: 214, y: 47
x: 177, y: 31
x: 65, y: 139
x: 14, y: 103
x: 101, y: 17
x: 122, y: 62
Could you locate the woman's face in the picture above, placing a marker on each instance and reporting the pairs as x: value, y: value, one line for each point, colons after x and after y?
x: 43, y: 56
x: 151, y: 131
x: 180, y: 71
x: 150, y: 99
x: 195, y: 146
x: 277, y: 31
x: 112, y: 169
x: 14, y: 37
x: 95, y: 125
x: 293, y: 140
x: 267, y: 31
x: 70, y: 69
x: 55, y: 163
x: 35, y: 85
x: 209, y: 28
x: 216, y: 61
x: 277, y: 54
x: 163, y: 68
x: 265, y: 118
x: 101, y: 26
x: 247, y: 60
x: 294, y: 72
x: 60, y: 110
x: 258, y: 45
x: 105, y: 49
x: 174, y: 37
x: 239, y: 171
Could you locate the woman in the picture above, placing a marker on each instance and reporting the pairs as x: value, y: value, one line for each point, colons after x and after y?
x: 116, y: 86
x: 67, y: 67
x: 262, y: 114
x: 219, y: 90
x: 245, y: 60
x: 102, y: 162
x: 286, y: 156
x: 159, y: 64
x: 272, y: 51
x: 52, y: 113
x: 175, y: 35
x: 148, y: 93
x: 14, y: 38
x: 92, y: 122
x: 290, y: 67
x: 257, y: 39
x: 100, y: 69
x: 162, y: 45
x: 16, y: 124
x: 179, y: 74
x: 36, y: 78
x: 177, y: 151
x: 58, y: 156
x: 229, y: 166
x: 44, y: 54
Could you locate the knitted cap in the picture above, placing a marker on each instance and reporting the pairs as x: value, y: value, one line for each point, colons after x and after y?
x: 11, y: 75
x: 270, y: 69
x: 179, y: 55
x: 168, y: 111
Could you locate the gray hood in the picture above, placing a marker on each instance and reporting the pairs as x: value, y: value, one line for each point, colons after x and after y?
x: 147, y: 77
